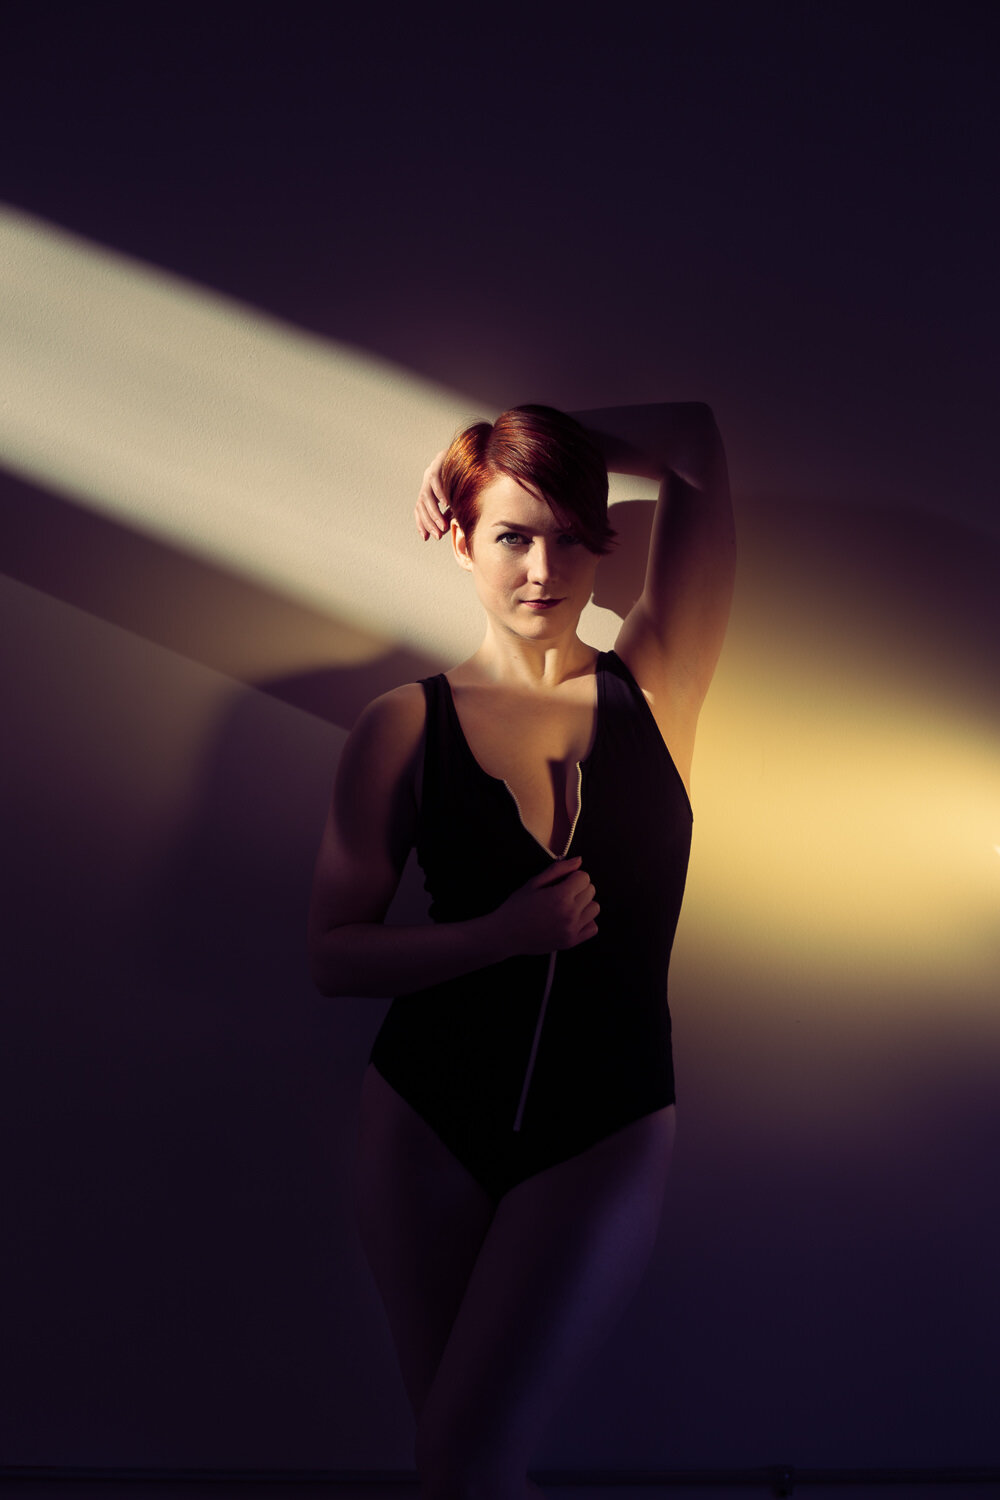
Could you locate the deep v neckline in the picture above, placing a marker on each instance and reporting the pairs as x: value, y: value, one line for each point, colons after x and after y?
x: 580, y: 765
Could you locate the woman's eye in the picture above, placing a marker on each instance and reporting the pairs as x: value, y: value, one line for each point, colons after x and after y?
x: 569, y: 540
x: 510, y: 538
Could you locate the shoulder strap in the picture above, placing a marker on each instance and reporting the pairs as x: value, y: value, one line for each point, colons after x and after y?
x: 437, y: 742
x: 623, y: 686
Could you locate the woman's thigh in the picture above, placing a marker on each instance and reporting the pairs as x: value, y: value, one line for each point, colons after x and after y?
x: 563, y: 1255
x: 422, y: 1219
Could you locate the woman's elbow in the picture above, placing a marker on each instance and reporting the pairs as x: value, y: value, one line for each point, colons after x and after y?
x: 327, y: 967
x: 323, y: 981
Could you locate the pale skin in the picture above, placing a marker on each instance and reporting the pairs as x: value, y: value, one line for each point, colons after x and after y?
x: 492, y: 1315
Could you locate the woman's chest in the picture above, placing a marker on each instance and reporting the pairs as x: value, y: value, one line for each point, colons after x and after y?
x: 535, y: 747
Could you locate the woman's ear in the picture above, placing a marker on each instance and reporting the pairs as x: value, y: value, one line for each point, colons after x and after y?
x: 460, y: 547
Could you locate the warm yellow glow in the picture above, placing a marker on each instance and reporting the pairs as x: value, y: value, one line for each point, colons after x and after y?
x: 843, y: 825
x: 847, y: 844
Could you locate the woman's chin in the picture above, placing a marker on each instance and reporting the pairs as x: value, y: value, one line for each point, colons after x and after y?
x: 546, y: 624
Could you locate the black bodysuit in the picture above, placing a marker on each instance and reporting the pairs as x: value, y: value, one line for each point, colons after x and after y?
x: 524, y: 1063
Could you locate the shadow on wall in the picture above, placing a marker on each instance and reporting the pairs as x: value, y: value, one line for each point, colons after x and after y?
x: 244, y: 629
x: 888, y: 620
x: 182, y: 1102
x: 192, y: 1289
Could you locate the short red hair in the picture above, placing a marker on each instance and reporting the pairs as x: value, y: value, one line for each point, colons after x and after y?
x: 542, y: 449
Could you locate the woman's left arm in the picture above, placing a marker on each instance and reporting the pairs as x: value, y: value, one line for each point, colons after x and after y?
x: 672, y: 637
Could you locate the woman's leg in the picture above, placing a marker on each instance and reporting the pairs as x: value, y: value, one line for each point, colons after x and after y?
x: 422, y: 1218
x: 563, y: 1255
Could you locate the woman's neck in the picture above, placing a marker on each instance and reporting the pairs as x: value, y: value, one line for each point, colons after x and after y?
x: 538, y: 665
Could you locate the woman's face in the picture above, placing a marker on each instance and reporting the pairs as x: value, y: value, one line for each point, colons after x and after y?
x: 533, y: 576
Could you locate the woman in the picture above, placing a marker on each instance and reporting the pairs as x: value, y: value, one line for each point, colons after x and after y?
x: 517, y: 1117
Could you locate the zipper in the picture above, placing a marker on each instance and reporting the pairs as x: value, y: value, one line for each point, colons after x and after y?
x: 551, y: 972
x: 576, y: 815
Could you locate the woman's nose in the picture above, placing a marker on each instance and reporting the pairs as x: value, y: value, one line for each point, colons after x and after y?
x: 541, y: 562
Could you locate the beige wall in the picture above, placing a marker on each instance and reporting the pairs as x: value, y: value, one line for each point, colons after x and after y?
x: 179, y: 1104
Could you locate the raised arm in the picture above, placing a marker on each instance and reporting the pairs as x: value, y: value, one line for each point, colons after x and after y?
x: 370, y: 829
x: 672, y: 637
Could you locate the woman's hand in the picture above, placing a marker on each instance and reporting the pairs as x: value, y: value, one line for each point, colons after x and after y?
x: 431, y: 510
x: 555, y: 909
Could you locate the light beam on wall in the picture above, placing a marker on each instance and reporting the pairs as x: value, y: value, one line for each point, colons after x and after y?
x: 200, y: 420
x: 842, y: 825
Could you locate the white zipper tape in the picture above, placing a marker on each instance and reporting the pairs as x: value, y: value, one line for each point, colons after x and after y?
x: 537, y: 1037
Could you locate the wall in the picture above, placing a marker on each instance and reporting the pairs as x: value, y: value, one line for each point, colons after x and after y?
x: 179, y: 1104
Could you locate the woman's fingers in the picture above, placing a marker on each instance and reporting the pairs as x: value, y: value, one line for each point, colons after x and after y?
x: 558, y: 870
x: 587, y: 910
x: 430, y: 521
x: 423, y: 520
x: 432, y: 503
x: 576, y: 891
x: 554, y: 909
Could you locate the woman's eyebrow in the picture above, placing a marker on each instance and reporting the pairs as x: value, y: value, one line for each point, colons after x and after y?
x: 523, y: 526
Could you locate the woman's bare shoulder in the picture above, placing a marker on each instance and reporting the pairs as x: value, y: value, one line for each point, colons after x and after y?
x: 392, y: 725
x: 375, y: 787
x: 372, y: 821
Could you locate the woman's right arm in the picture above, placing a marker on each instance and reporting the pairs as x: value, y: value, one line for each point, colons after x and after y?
x: 370, y: 829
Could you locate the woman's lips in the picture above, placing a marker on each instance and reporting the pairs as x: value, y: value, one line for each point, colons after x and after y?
x: 541, y: 604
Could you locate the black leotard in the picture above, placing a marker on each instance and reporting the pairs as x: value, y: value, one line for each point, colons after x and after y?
x: 507, y: 1097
